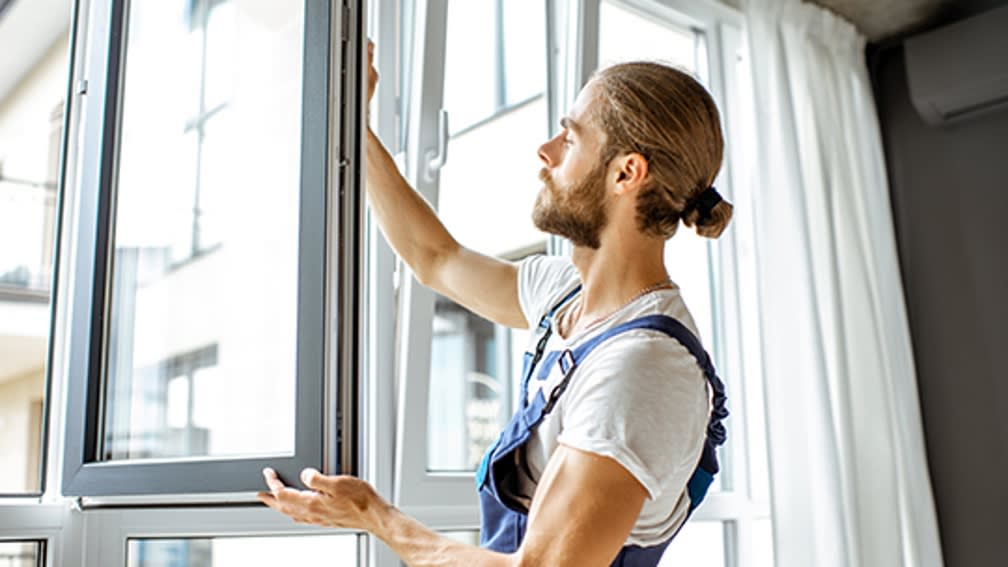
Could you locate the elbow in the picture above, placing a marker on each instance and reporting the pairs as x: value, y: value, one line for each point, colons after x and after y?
x: 428, y: 271
x: 423, y: 275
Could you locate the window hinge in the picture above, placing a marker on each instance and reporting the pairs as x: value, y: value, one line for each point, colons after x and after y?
x: 82, y: 87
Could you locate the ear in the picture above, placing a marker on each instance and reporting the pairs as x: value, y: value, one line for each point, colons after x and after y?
x: 631, y: 170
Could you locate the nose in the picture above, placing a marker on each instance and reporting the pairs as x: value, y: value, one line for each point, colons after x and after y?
x: 547, y: 151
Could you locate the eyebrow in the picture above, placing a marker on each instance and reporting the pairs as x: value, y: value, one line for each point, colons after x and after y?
x: 570, y: 124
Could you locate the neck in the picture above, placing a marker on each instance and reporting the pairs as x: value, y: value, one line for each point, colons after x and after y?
x: 616, y: 272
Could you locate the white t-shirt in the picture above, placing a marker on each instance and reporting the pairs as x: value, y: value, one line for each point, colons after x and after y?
x: 639, y: 398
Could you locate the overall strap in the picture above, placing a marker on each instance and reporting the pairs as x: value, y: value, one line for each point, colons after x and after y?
x: 570, y: 359
x: 545, y: 321
x: 544, y: 330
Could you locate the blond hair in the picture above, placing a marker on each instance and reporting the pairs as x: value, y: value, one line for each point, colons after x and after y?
x: 669, y: 118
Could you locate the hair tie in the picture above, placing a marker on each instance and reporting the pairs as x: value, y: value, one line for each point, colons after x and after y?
x: 705, y: 202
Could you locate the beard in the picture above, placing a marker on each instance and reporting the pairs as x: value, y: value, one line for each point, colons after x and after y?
x: 576, y: 212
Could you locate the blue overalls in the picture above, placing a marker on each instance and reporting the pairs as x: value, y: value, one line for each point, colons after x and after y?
x: 503, y: 519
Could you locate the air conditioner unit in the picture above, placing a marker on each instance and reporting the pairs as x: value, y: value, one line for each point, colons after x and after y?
x: 961, y: 70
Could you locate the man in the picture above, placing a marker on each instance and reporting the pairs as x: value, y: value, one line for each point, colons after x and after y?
x: 601, y: 463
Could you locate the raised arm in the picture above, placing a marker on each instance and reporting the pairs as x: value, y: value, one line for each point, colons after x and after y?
x: 583, y: 510
x: 485, y: 285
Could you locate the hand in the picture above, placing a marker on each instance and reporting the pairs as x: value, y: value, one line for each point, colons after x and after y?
x: 333, y: 501
x: 372, y: 72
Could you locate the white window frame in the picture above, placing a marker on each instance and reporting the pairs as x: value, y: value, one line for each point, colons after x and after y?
x: 48, y: 523
x: 109, y: 530
x: 448, y: 500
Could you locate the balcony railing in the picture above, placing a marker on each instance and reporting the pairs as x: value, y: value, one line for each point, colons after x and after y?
x: 27, y: 219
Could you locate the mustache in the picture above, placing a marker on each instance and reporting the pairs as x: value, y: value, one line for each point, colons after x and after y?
x: 544, y: 176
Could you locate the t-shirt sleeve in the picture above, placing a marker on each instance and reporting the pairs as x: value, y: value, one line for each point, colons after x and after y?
x: 542, y: 281
x: 642, y: 401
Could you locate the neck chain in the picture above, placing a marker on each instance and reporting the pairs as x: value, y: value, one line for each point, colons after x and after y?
x: 569, y: 320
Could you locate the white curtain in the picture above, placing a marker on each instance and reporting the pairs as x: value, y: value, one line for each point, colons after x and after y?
x: 849, y: 477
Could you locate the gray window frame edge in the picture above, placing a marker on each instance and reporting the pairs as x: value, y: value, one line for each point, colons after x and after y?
x: 82, y: 474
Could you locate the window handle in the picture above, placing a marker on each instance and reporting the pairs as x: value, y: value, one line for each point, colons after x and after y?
x: 436, y: 158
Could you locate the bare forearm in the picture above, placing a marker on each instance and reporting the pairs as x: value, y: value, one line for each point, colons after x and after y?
x: 418, y: 546
x: 407, y: 220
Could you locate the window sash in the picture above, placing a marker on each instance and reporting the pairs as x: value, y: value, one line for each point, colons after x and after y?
x: 327, y: 317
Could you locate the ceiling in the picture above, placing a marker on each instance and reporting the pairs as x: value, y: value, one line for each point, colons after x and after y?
x: 882, y: 19
x: 878, y: 20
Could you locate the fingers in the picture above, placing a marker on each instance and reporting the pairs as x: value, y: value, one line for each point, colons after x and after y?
x: 319, y: 482
x: 299, y: 505
x: 335, y: 501
x: 272, y: 480
x: 372, y: 72
x: 278, y: 491
x: 313, y: 479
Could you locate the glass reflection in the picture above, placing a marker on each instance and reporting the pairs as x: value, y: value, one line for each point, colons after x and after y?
x: 201, y: 333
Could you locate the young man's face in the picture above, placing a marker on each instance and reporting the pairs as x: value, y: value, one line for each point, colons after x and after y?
x: 573, y: 200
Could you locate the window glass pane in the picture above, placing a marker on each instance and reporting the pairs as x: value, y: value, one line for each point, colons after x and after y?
x: 243, y: 551
x: 524, y: 48
x: 469, y: 399
x: 652, y: 38
x: 201, y: 339
x: 698, y: 544
x: 471, y: 69
x: 20, y: 554
x: 492, y: 166
x: 31, y: 125
x: 494, y: 57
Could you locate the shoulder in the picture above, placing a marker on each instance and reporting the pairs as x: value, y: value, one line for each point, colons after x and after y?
x: 643, y: 400
x: 650, y: 354
x: 643, y: 360
x: 542, y: 282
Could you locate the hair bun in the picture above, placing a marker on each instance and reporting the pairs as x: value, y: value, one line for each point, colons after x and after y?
x: 708, y: 213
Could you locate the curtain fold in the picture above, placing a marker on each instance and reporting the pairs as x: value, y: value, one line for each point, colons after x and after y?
x: 849, y: 477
